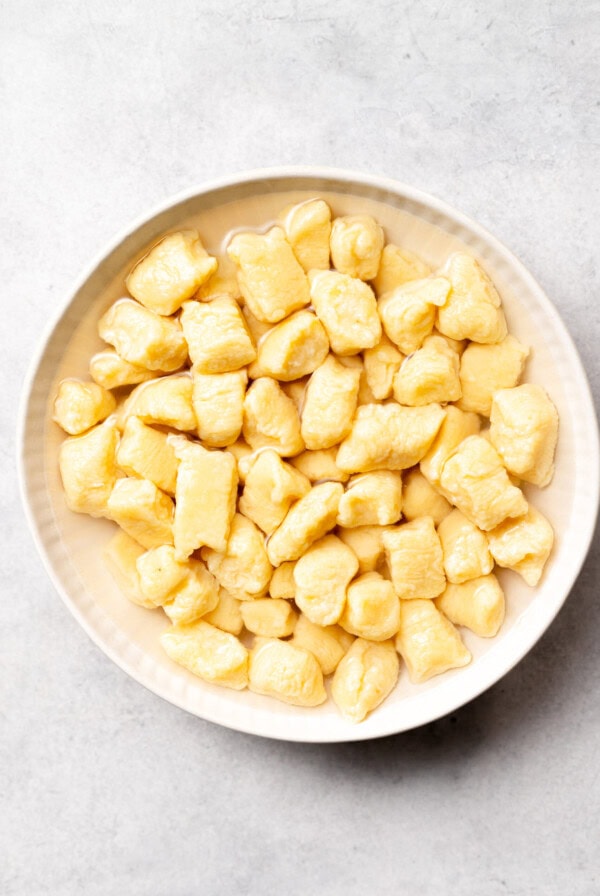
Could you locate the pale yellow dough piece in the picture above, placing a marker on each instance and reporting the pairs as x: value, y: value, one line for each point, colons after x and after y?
x: 486, y: 368
x: 88, y: 468
x: 322, y: 575
x: 293, y: 348
x: 244, y: 457
x: 456, y: 426
x: 415, y: 559
x: 329, y: 404
x: 142, y: 337
x: 196, y: 595
x: 282, y: 584
x: 296, y: 390
x: 477, y: 604
x: 381, y: 364
x: 347, y: 308
x: 328, y: 644
x: 364, y: 678
x: 367, y: 544
x: 372, y: 608
x: 280, y: 669
x: 110, y: 371
x: 371, y: 499
x: 308, y: 228
x: 465, y: 547
x: 216, y: 335
x: 269, y: 618
x: 356, y: 245
x: 166, y: 402
x: 389, y: 437
x: 396, y: 267
x: 211, y: 654
x: 524, y: 432
x: 146, y: 453
x: 430, y: 374
x: 419, y: 498
x: 320, y: 465
x: 271, y: 487
x: 474, y: 480
x: 307, y: 520
x: 78, y: 406
x: 142, y: 510
x: 271, y: 419
x: 160, y: 572
x: 428, y: 642
x: 171, y: 272
x: 243, y: 568
x: 271, y: 279
x: 121, y: 555
x: 227, y: 614
x: 473, y: 308
x: 206, y: 494
x: 523, y: 544
x: 408, y: 311
x: 218, y: 402
x: 223, y: 282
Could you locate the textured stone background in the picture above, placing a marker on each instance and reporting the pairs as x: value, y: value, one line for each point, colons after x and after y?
x: 106, y: 108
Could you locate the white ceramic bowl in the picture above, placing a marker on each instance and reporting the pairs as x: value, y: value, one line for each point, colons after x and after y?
x: 71, y: 544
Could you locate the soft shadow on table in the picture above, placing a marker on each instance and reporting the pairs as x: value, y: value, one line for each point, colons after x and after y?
x: 540, y: 686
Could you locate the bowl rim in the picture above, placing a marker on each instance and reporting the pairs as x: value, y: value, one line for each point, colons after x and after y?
x: 350, y: 177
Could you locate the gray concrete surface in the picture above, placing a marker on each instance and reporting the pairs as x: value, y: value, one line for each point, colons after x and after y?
x: 105, y: 109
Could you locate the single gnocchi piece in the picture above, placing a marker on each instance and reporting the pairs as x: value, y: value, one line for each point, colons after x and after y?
x: 408, y: 311
x: 142, y: 510
x: 420, y: 498
x: 428, y: 642
x: 456, y: 426
x: 371, y: 499
x: 524, y: 432
x: 381, y: 364
x: 271, y: 419
x: 320, y: 465
x: 227, y: 614
x: 282, y: 584
x: 110, y: 371
x: 218, y: 402
x: 196, y: 595
x: 160, y: 572
x: 476, y: 482
x: 473, y: 308
x: 88, y: 469
x: 364, y: 678
x: 269, y: 618
x: 430, y: 374
x: 243, y: 568
x: 329, y: 404
x: 328, y: 643
x: 293, y: 348
x: 271, y: 488
x: 244, y: 457
x: 257, y: 328
x: 389, y: 437
x: 146, y: 452
x: 367, y: 544
x: 415, y: 559
x: 477, y: 605
x: 372, y: 608
x: 322, y: 575
x: 142, y: 337
x: 121, y: 555
x: 166, y: 402
x: 523, y: 544
x: 271, y: 278
x: 223, y: 282
x: 171, y: 272
x: 307, y: 520
x: 78, y: 406
x: 356, y: 246
x: 347, y: 309
x: 280, y: 669
x: 486, y: 368
x: 465, y: 547
x: 308, y: 228
x: 216, y: 335
x: 396, y: 267
x: 205, y: 495
x: 213, y: 655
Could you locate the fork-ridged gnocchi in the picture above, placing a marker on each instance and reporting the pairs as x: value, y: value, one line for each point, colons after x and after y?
x: 430, y: 374
x: 308, y: 228
x: 270, y: 489
x: 218, y: 402
x: 415, y: 558
x: 371, y: 499
x: 347, y: 308
x: 216, y: 335
x: 329, y: 404
x: 524, y: 432
x: 356, y: 246
x: 322, y: 575
x: 293, y: 348
x: 364, y: 678
x: 142, y: 337
x: 211, y: 654
x: 408, y: 311
x: 477, y: 605
x: 523, y: 544
x: 396, y: 267
x: 282, y: 670
x: 473, y: 308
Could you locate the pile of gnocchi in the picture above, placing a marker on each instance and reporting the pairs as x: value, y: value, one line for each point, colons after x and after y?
x: 313, y: 448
